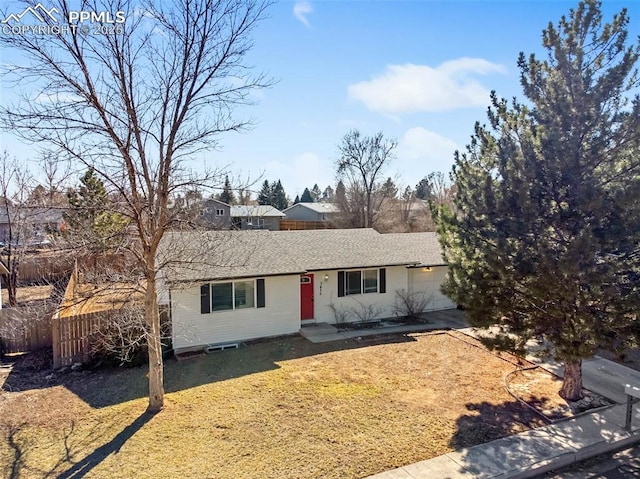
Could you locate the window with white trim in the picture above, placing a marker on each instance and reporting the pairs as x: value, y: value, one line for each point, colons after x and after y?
x: 353, y: 282
x: 370, y: 280
x: 219, y: 212
x: 361, y: 281
x: 243, y: 294
x: 221, y: 296
x: 232, y: 295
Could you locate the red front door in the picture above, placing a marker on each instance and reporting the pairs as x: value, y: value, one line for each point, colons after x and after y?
x: 306, y: 296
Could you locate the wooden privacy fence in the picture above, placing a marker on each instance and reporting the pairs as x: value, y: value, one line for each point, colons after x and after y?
x: 43, y: 267
x: 71, y: 337
x: 71, y: 329
x: 85, y: 310
x: 24, y: 329
x: 292, y: 225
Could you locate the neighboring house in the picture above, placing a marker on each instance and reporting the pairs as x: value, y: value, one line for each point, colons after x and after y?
x: 30, y: 223
x: 218, y: 215
x: 256, y: 217
x: 215, y: 214
x: 43, y: 221
x: 242, y: 285
x: 312, y: 211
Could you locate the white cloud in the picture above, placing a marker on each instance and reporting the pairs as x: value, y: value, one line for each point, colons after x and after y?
x: 410, y: 88
x: 421, y: 151
x: 301, y: 9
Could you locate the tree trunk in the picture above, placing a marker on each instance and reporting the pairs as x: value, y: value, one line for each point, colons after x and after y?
x: 12, y: 287
x: 572, y: 384
x: 154, y: 342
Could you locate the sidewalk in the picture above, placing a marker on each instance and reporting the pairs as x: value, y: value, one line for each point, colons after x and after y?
x: 530, y: 453
x: 534, y: 452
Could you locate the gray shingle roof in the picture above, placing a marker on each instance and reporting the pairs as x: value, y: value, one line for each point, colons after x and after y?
x: 258, y: 211
x: 317, y: 207
x: 210, y: 255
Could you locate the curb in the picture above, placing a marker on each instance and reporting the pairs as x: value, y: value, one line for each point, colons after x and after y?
x: 573, y: 458
x: 529, y: 454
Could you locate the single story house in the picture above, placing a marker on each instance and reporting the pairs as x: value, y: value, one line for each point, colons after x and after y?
x: 312, y: 211
x: 256, y: 217
x: 230, y: 286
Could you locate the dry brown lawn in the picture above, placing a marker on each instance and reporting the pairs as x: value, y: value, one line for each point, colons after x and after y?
x: 25, y: 294
x: 278, y: 409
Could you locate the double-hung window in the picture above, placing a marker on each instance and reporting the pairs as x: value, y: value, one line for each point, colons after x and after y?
x: 243, y: 294
x: 221, y: 296
x: 370, y: 280
x: 353, y: 282
x: 361, y: 281
x: 232, y: 295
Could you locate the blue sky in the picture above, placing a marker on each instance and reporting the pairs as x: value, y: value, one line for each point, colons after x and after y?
x: 419, y: 71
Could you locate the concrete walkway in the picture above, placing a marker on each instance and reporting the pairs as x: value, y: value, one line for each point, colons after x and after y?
x: 530, y: 453
x: 437, y: 320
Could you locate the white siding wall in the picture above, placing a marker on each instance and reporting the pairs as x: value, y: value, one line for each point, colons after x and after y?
x: 281, y: 315
x: 326, y: 292
x: 430, y: 281
x: 162, y: 291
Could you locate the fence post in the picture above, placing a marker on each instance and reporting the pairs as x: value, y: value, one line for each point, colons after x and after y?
x: 55, y: 337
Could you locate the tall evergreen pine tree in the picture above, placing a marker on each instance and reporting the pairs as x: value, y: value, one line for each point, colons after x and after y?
x: 265, y: 195
x: 227, y: 196
x: 545, y: 239
x: 306, y: 197
x: 279, y: 197
x: 91, y: 217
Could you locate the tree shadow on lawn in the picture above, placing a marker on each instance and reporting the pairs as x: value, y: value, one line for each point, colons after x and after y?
x: 83, y: 467
x: 493, y: 421
x: 107, y: 387
x: 20, y: 446
x: 10, y: 432
x: 488, y: 422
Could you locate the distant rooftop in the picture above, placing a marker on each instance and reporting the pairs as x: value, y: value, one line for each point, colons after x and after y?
x: 318, y: 207
x: 259, y: 211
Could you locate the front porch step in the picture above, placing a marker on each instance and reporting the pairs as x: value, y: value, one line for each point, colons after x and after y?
x: 318, y: 329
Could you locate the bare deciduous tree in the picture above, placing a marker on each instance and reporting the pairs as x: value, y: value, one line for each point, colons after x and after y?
x: 56, y: 174
x: 137, y: 104
x: 361, y: 163
x: 15, y: 181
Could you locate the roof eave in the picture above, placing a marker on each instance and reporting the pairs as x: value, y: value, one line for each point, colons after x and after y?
x: 230, y: 278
